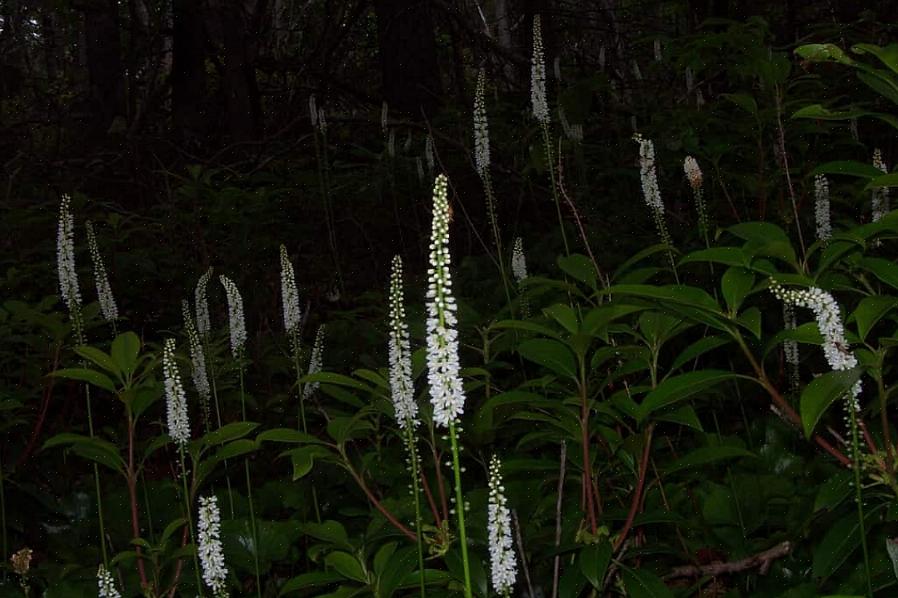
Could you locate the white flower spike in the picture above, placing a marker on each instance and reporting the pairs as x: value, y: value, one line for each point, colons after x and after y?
x: 446, y: 391
x: 237, y: 324
x: 518, y: 261
x: 821, y: 209
x: 402, y: 388
x: 175, y: 399
x: 65, y: 257
x: 203, y: 322
x: 481, y: 127
x: 197, y: 360
x: 289, y: 296
x: 106, y: 584
x: 215, y: 573
x: 502, y: 560
x: 315, y: 362
x: 104, y: 290
x: 538, y: 76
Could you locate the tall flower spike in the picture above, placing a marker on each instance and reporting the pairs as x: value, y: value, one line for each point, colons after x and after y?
x: 203, y: 322
x: 104, y: 290
x: 197, y: 361
x: 502, y: 559
x: 880, y: 194
x: 106, y: 584
x: 175, y: 400
x: 518, y: 261
x: 235, y: 316
x: 215, y: 573
x: 315, y: 361
x: 65, y: 257
x: 481, y: 127
x: 829, y: 322
x: 446, y: 391
x: 694, y: 175
x: 821, y: 209
x: 402, y: 388
x: 538, y: 76
x: 648, y: 174
x: 289, y: 296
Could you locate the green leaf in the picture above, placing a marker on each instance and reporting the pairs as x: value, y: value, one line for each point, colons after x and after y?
x: 762, y: 232
x: 892, y: 551
x: 303, y: 458
x: 550, y: 354
x: 731, y: 256
x: 883, y: 180
x: 125, y: 348
x: 744, y: 101
x: 823, y: 53
x: 309, y: 580
x: 228, y: 432
x: 94, y: 377
x: 94, y: 449
x: 677, y: 294
x: 705, y: 455
x: 99, y: 358
x: 346, y: 565
x: 329, y: 531
x: 840, y: 541
x: 834, y: 491
x: 287, y: 436
x: 869, y: 311
x: 883, y: 269
x: 594, y: 560
x: 682, y: 387
x: 527, y: 327
x: 697, y: 349
x: 580, y: 268
x: 564, y: 315
x: 684, y: 416
x: 382, y: 557
x: 642, y: 584
x: 236, y: 448
x: 336, y: 379
x: 887, y: 55
x: 822, y: 392
x: 735, y: 285
x: 848, y: 168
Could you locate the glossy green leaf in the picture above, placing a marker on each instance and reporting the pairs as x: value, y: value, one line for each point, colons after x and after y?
x: 870, y: 311
x: 228, y: 432
x: 580, y: 268
x: 310, y: 580
x: 550, y: 354
x: 840, y: 540
x: 705, y: 455
x: 642, y: 584
x: 735, y: 285
x: 681, y: 387
x: 822, y: 392
x: 98, y: 379
x: 99, y: 358
x: 730, y: 256
x: 125, y: 348
x: 564, y: 315
x: 346, y: 565
x: 848, y: 168
x: 594, y: 560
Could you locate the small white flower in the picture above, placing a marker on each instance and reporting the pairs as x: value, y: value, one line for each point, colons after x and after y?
x: 315, y: 361
x: 402, y: 388
x: 65, y: 257
x: 235, y: 316
x: 175, y: 400
x: 693, y: 172
x: 790, y: 347
x: 106, y: 584
x: 880, y: 194
x: 821, y: 209
x: 648, y: 174
x: 203, y: 322
x: 446, y: 391
x: 538, y: 76
x: 104, y: 290
x: 481, y: 127
x: 694, y: 175
x: 518, y: 261
x: 211, y: 555
x: 289, y: 296
x: 502, y: 559
x: 197, y: 360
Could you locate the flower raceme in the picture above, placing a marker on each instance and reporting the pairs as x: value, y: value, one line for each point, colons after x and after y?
x: 315, y: 363
x: 237, y: 325
x: 106, y: 584
x: 289, y: 295
x: 402, y: 388
x: 481, y: 127
x: 518, y: 261
x: 65, y: 257
x: 538, y: 76
x: 197, y: 360
x: 880, y: 194
x: 203, y: 321
x: 211, y: 555
x: 821, y: 209
x: 175, y: 399
x: 502, y: 560
x: 447, y: 394
x: 104, y: 290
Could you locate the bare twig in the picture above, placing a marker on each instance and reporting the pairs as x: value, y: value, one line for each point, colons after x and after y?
x: 761, y: 560
x: 520, y: 541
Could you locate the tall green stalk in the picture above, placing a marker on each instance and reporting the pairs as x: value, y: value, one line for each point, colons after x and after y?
x: 858, y: 494
x: 249, y: 494
x: 460, y: 510
x: 211, y: 363
x: 547, y: 141
x: 414, y: 461
x: 497, y: 237
x: 187, y: 508
x: 302, y: 411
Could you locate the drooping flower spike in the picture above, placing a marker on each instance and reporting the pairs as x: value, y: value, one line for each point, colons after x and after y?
x: 289, y: 296
x: 236, y: 321
x: 821, y: 209
x: 315, y: 362
x: 402, y: 388
x: 203, y: 321
x: 175, y: 399
x: 481, y: 127
x: 880, y: 194
x: 197, y: 361
x: 104, y: 290
x: 518, y: 261
x: 538, y: 99
x: 211, y: 555
x: 502, y: 560
x: 65, y: 257
x: 694, y: 176
x: 446, y: 391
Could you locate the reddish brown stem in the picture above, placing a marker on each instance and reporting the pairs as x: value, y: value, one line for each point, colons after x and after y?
x: 45, y: 404
x: 637, y: 495
x: 179, y: 567
x: 377, y: 505
x: 871, y: 445
x: 437, y: 460
x: 430, y: 501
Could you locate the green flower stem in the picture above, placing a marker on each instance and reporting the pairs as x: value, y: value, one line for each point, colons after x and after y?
x: 211, y: 363
x: 856, y: 466
x: 187, y: 508
x: 413, y: 460
x: 460, y: 510
x: 497, y: 238
x: 551, y: 165
x: 249, y: 493
x: 302, y: 412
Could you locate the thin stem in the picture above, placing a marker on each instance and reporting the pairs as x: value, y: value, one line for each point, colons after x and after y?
x: 413, y: 460
x: 187, y: 507
x: 589, y: 507
x: 460, y: 510
x: 549, y: 162
x: 132, y: 495
x: 785, y: 157
x: 249, y: 492
x: 211, y: 363
x: 556, y: 567
x: 3, y: 516
x: 856, y: 466
x: 497, y: 237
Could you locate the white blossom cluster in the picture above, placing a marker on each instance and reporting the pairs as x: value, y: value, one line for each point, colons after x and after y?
x: 518, y: 260
x: 215, y: 573
x: 289, y: 296
x: 693, y: 172
x: 829, y: 322
x: 648, y: 174
x: 538, y: 76
x: 203, y: 322
x: 65, y: 257
x: 197, y: 360
x: 402, y: 387
x: 881, y: 194
x: 821, y: 209
x: 104, y: 290
x: 106, y: 584
x: 175, y: 399
x: 446, y: 392
x: 481, y: 127
x: 502, y: 559
x: 694, y: 176
x: 315, y: 363
x: 237, y: 324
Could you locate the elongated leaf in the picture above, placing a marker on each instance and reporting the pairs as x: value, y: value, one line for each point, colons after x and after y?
x: 228, y: 432
x: 527, y: 327
x: 579, y: 267
x: 849, y: 168
x: 94, y: 377
x: 822, y: 392
x: 883, y: 269
x: 840, y: 541
x: 834, y: 491
x: 310, y: 580
x: 346, y: 565
x: 731, y: 256
x: 870, y: 310
x: 99, y: 358
x: 336, y: 379
x: 125, y: 348
x: 705, y: 455
x: 286, y: 435
x: 594, y: 561
x: 735, y: 285
x: 698, y: 348
x: 642, y: 584
x: 564, y: 315
x: 551, y: 354
x: 682, y: 387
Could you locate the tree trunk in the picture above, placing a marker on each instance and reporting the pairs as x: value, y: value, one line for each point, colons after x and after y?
x: 408, y: 56
x: 188, y: 73
x: 104, y: 64
x: 239, y: 75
